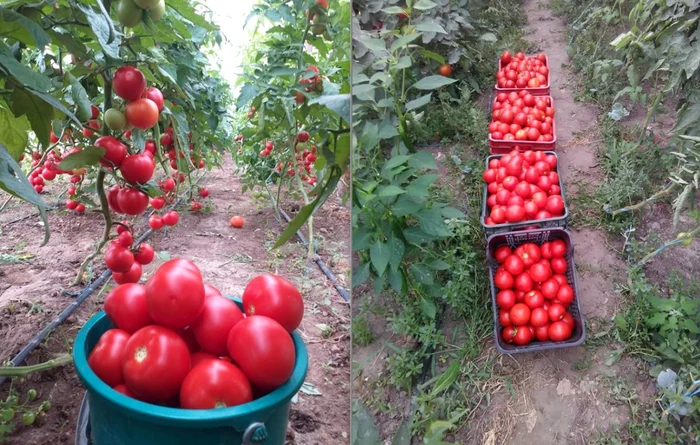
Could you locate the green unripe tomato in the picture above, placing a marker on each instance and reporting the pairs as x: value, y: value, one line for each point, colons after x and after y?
x: 115, y: 119
x: 128, y: 13
x: 318, y: 29
x: 158, y: 11
x: 146, y: 4
x: 28, y: 418
x: 7, y: 414
x: 31, y: 394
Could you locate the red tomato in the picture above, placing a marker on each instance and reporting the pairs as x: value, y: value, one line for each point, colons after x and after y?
x: 489, y: 175
x: 514, y: 264
x: 546, y: 249
x: 534, y: 299
x: 132, y: 201
x: 144, y: 254
x: 119, y: 259
x: 504, y: 318
x: 539, y: 318
x: 558, y: 248
x: 523, y: 282
x: 264, y: 350
x: 519, y: 314
x: 558, y: 265
x: 138, y: 169
x: 550, y: 288
x: 569, y: 319
x: 559, y: 331
x: 155, y: 222
x: 509, y: 333
x: 555, y: 205
x: 129, y: 83
x: 556, y: 312
x: 502, y: 253
x: 156, y: 96
x: 540, y: 272
x: 175, y: 294
x: 199, y: 357
x: 171, y: 218
x: 126, y: 307
x: 213, y: 325
x: 142, y: 113
x: 132, y: 276
x: 565, y: 294
x: 115, y: 151
x: 214, y: 384
x: 106, y: 357
x: 523, y: 336
x: 122, y: 388
x: 529, y: 253
x: 210, y: 291
x: 157, y: 202
x: 503, y: 280
x: 274, y: 297
x: 505, y: 299
x: 155, y: 363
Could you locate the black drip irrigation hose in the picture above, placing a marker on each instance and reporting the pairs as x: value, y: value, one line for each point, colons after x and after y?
x: 319, y: 262
x: 82, y: 296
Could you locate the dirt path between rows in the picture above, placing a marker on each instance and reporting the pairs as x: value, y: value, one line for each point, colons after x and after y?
x: 562, y: 396
x: 31, y: 295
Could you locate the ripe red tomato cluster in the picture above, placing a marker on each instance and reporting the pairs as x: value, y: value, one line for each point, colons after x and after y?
x: 143, y: 105
x: 523, y: 187
x: 48, y: 171
x: 314, y: 81
x: 238, y: 138
x: 534, y: 293
x: 522, y: 117
x: 125, y: 260
x: 167, y: 141
x: 520, y: 71
x: 178, y: 342
x: 305, y: 158
x: 267, y: 150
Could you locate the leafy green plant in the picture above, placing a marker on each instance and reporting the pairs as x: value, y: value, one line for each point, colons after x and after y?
x: 296, y: 80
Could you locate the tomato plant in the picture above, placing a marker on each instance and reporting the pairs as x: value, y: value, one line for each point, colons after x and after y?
x: 295, y: 96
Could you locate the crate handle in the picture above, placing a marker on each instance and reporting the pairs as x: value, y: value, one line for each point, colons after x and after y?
x: 254, y: 434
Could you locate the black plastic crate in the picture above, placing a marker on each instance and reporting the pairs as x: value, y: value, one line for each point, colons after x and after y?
x: 556, y: 222
x: 513, y: 240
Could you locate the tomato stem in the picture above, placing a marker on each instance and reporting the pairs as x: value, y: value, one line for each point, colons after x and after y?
x: 23, y: 371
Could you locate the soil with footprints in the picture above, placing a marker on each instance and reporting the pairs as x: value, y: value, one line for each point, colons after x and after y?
x: 32, y: 294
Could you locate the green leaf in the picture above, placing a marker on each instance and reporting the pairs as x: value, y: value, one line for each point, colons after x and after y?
x: 397, y: 280
x: 416, y: 235
x: 690, y: 326
x: 181, y: 128
x: 433, y: 82
x: 394, y: 10
x: 446, y: 379
x: 403, y: 435
x: 489, y: 37
x: 419, y: 187
x: 395, y: 161
x: 428, y: 307
x: 424, y: 5
x: 405, y: 206
x: 420, y: 102
x: 657, y: 319
x: 360, y: 239
x: 451, y: 212
x: 99, y: 25
x: 14, y: 133
x: 21, y: 73
x: 389, y: 191
x: 397, y: 248
x: 13, y: 181
x: 431, y: 27
x: 36, y: 111
x: 422, y: 273
x: 360, y: 274
x: 431, y: 55
x: 403, y: 63
x: 16, y: 26
x: 436, y: 264
x: 432, y: 222
x: 364, y: 430
x: 339, y: 103
x: 80, y: 97
x: 689, y: 114
x: 423, y: 160
x: 85, y: 157
x: 403, y: 41
x: 380, y: 254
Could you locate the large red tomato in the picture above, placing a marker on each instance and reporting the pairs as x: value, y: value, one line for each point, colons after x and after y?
x: 144, y: 254
x: 142, y: 113
x: 119, y: 259
x: 138, y: 169
x: 210, y: 290
x: 215, y: 384
x: 106, y: 357
x: 264, y: 350
x: 175, y: 294
x: 155, y: 363
x: 126, y: 306
x: 115, y: 151
x: 132, y: 201
x: 274, y: 297
x: 213, y: 325
x: 132, y: 276
x: 129, y: 83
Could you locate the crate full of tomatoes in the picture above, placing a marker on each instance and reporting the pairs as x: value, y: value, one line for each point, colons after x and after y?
x: 523, y: 190
x: 520, y: 118
x: 534, y: 292
x: 518, y: 71
x: 178, y: 342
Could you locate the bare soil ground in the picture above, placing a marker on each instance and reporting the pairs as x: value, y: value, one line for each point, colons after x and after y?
x: 31, y: 295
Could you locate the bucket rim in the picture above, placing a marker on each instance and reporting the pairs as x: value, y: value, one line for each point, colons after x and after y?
x: 220, y: 416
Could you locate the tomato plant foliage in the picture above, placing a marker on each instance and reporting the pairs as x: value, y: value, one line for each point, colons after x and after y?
x: 295, y: 95
x: 57, y: 59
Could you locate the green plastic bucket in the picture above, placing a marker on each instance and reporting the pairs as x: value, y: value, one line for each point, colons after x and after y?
x: 116, y: 419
